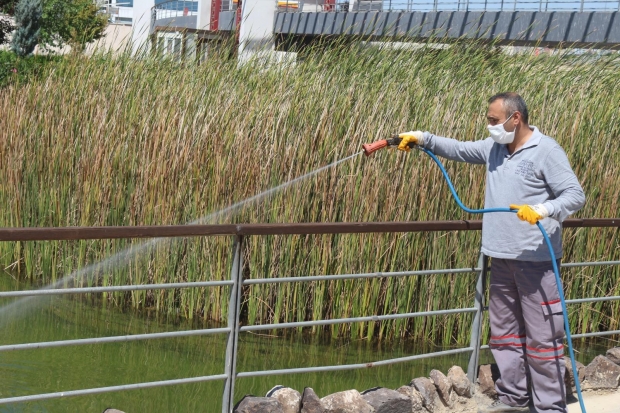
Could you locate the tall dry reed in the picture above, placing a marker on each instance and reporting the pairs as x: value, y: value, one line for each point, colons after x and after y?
x: 117, y: 141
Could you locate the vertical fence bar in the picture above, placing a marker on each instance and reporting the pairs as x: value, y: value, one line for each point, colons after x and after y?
x: 153, y: 19
x: 236, y: 275
x: 476, y: 328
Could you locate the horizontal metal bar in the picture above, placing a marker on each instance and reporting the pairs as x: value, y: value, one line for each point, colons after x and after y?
x: 76, y: 233
x: 357, y: 276
x: 352, y: 366
x: 100, y: 390
x: 598, y: 334
x: 113, y: 339
x: 86, y: 290
x: 589, y: 264
x: 355, y: 319
x: 582, y: 335
x: 592, y: 300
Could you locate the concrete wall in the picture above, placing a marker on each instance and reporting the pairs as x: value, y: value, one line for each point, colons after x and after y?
x: 117, y: 39
x: 141, y: 23
x: 256, y: 32
x: 204, y: 15
x: 227, y: 20
x: 188, y: 22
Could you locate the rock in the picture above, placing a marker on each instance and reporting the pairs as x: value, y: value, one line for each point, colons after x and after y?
x: 613, y: 354
x: 443, y: 386
x: 417, y: 402
x: 387, y: 400
x: 252, y: 404
x: 569, y: 379
x: 602, y: 373
x: 350, y: 401
x: 487, y: 375
x: 427, y: 391
x: 310, y: 402
x: 290, y: 399
x: 460, y: 383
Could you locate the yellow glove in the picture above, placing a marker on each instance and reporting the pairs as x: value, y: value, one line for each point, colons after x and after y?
x: 530, y: 213
x: 416, y: 137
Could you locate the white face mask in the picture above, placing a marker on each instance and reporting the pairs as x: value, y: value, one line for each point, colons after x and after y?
x: 499, y: 134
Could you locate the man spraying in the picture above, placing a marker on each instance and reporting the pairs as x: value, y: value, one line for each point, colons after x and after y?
x: 529, y: 172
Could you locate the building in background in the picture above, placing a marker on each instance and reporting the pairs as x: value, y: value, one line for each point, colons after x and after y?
x: 182, y: 28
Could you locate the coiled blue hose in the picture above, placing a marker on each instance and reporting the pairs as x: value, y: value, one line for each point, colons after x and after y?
x: 553, y: 261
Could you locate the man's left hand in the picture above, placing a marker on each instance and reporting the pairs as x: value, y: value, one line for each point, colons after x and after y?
x: 415, y: 137
x: 530, y: 213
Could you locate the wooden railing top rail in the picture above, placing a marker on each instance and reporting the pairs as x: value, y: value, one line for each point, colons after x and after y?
x: 82, y: 233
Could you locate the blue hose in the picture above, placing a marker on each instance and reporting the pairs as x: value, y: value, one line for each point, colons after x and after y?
x: 553, y: 261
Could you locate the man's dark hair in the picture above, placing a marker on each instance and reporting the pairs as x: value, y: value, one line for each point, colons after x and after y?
x: 513, y: 102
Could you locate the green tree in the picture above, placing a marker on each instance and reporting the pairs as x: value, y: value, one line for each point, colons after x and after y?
x: 72, y: 22
x: 28, y: 19
x: 8, y: 7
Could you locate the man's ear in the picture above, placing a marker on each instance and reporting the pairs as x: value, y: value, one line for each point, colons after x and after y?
x: 517, y: 117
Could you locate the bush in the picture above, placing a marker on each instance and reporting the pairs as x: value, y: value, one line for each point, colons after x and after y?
x: 14, y: 69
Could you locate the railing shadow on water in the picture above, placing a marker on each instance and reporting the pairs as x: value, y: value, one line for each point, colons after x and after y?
x: 237, y: 281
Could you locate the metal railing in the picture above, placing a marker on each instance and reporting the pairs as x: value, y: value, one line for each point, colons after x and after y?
x: 446, y: 5
x: 170, y: 9
x: 237, y: 281
x: 229, y: 5
x: 118, y: 13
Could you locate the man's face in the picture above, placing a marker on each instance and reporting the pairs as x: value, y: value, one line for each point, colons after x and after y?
x: 496, y: 114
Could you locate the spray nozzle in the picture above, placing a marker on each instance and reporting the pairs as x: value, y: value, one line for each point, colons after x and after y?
x: 369, y: 148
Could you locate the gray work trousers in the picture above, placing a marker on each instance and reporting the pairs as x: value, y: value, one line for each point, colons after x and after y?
x: 527, y: 331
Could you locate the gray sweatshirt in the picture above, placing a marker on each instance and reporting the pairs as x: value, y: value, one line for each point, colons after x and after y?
x: 537, y: 173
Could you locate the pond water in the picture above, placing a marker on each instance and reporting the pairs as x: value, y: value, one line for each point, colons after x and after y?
x: 35, y: 371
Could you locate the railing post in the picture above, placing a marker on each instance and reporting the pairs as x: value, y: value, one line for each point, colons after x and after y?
x: 153, y: 19
x: 236, y: 275
x: 476, y: 328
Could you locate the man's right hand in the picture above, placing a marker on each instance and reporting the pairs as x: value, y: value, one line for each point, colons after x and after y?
x: 415, y: 137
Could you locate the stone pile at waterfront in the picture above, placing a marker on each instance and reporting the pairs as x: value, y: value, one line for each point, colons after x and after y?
x: 437, y: 393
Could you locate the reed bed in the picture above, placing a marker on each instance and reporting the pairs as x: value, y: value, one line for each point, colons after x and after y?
x: 121, y: 141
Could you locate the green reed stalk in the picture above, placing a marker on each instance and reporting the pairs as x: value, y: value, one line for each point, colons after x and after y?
x: 121, y: 141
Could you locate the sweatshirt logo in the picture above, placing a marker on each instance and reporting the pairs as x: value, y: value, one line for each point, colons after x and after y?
x: 525, y: 168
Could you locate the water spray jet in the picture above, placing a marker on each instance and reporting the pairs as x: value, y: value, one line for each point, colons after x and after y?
x: 92, y: 272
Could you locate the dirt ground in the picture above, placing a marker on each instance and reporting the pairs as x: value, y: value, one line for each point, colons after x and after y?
x: 595, y: 402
